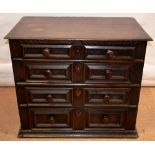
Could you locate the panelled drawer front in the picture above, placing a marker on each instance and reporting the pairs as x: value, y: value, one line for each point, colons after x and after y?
x: 50, y: 96
x: 78, y: 52
x: 49, y: 118
x: 102, y: 118
x: 51, y: 72
x: 108, y: 72
x: 46, y: 51
x: 77, y: 119
x: 77, y: 72
x: 107, y: 96
x: 39, y: 51
x: 108, y: 52
x: 32, y: 71
x: 41, y: 96
x: 42, y: 49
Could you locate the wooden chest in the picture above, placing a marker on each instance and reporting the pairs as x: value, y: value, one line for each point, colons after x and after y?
x: 77, y: 76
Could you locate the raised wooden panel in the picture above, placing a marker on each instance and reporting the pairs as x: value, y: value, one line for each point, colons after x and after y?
x: 110, y: 52
x: 46, y: 51
x: 107, y: 96
x: 78, y: 119
x: 49, y: 72
x: 108, y: 72
x: 78, y: 96
x: 47, y: 118
x: 43, y: 96
x: 106, y: 118
x: 78, y: 72
x: 77, y: 51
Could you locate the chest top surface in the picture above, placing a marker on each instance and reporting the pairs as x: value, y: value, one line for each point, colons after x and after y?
x: 78, y: 28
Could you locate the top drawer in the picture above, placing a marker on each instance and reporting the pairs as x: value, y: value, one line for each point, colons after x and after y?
x: 47, y: 51
x: 110, y: 52
x: 77, y: 50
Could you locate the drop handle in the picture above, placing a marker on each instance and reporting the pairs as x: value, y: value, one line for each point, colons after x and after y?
x: 51, y: 120
x: 108, y: 74
x: 46, y: 52
x: 106, y: 99
x: 49, y: 98
x: 48, y: 73
x: 110, y: 54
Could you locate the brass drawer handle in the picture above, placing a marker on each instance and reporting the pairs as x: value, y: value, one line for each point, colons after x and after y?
x: 110, y: 54
x: 49, y: 98
x: 48, y: 73
x: 46, y: 53
x: 51, y: 120
x: 106, y: 99
x: 108, y: 74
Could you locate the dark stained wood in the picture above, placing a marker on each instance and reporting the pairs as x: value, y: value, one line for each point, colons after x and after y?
x: 78, y: 77
x: 78, y: 28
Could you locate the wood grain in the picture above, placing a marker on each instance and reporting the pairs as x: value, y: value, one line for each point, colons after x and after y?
x: 78, y: 28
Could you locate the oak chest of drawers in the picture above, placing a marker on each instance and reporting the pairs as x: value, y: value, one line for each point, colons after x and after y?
x: 77, y: 76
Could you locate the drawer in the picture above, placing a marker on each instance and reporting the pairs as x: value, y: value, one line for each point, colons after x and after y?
x: 107, y: 96
x: 48, y: 96
x: 49, y: 118
x: 42, y: 96
x: 32, y: 71
x: 77, y: 118
x: 106, y: 118
x: 40, y: 51
x: 77, y: 72
x: 28, y: 71
x: 113, y: 72
x: 59, y: 118
x: 109, y: 52
x: 48, y: 72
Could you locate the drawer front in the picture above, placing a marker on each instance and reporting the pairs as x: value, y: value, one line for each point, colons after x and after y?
x: 108, y: 72
x: 77, y: 119
x: 107, y: 96
x: 78, y: 52
x: 46, y: 51
x: 106, y: 118
x: 32, y: 71
x: 42, y: 49
x: 49, y: 118
x: 50, y: 96
x: 52, y: 72
x: 42, y: 96
x: 110, y: 52
x: 39, y: 51
x: 77, y: 72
